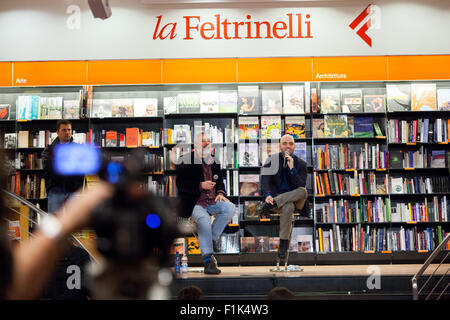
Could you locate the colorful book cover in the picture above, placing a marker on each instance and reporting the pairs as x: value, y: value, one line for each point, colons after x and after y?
x: 27, y: 107
x: 193, y: 246
x: 443, y: 96
x: 300, y: 150
x: 363, y: 127
x: 248, y: 245
x: 189, y: 102
x: 122, y: 108
x: 274, y: 244
x: 248, y: 99
x: 270, y: 127
x: 209, y: 101
x: 351, y: 100
x: 101, y: 108
x: 71, y: 109
x: 250, y: 210
x: 423, y: 97
x: 271, y: 101
x: 295, y: 126
x: 248, y: 128
x: 398, y: 97
x: 249, y: 185
x: 375, y: 103
x: 396, y: 159
x: 181, y: 133
x: 318, y: 128
x: 336, y: 126
x: 305, y: 243
x: 228, y: 101
x: 330, y: 101
x: 438, y: 158
x: 4, y: 111
x: 145, y: 107
x: 293, y: 99
x: 248, y: 155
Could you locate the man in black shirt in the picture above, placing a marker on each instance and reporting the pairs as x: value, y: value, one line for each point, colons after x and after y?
x: 59, y: 188
x: 283, y: 184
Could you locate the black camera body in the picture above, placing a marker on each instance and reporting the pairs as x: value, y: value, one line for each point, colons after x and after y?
x: 134, y: 224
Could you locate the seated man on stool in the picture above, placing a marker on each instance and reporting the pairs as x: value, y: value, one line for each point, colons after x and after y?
x: 201, y: 192
x: 283, y: 186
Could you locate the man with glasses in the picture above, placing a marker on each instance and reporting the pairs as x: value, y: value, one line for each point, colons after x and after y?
x: 202, y: 193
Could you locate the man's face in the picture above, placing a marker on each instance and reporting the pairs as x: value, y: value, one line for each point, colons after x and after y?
x: 203, y: 145
x: 64, y: 133
x: 287, y: 144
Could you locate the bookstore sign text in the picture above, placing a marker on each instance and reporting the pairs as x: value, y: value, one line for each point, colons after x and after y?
x: 294, y: 26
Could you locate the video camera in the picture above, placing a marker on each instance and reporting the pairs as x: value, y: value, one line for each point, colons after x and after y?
x: 134, y: 224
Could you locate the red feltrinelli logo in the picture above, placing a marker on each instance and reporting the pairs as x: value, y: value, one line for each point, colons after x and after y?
x: 373, y: 12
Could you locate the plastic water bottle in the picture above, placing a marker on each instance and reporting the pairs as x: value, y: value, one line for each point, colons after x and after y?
x: 177, y: 263
x: 184, y: 264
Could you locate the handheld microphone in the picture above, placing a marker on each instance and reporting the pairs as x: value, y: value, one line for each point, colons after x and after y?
x: 215, y: 177
x: 286, y: 154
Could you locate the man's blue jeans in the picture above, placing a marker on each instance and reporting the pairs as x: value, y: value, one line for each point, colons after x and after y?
x: 56, y: 199
x: 206, y: 233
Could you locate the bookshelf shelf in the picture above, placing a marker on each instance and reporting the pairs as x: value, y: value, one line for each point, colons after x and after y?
x: 348, y: 139
x: 202, y: 115
x: 354, y: 114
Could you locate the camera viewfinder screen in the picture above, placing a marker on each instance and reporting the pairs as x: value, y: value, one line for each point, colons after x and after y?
x: 76, y: 159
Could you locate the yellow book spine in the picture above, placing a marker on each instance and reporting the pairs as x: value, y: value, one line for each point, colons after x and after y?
x: 320, y: 240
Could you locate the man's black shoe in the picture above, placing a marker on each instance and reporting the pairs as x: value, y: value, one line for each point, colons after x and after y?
x: 216, y: 246
x: 211, y: 267
x: 262, y: 207
x: 282, y: 249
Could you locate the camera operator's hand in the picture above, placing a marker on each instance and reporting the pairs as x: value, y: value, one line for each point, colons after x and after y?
x: 207, y: 185
x: 77, y: 211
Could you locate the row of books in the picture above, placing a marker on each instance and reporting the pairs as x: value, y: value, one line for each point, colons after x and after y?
x: 113, y: 108
x: 271, y: 127
x: 419, y: 184
x: 366, y: 238
x: 132, y: 137
x: 29, y: 161
x: 421, y: 158
x: 289, y: 100
x: 356, y: 183
x: 421, y: 130
x: 350, y: 156
x: 353, y: 211
x: 184, y: 133
x: 379, y: 209
x: 397, y: 97
x: 164, y: 187
x: 30, y: 186
x: 38, y: 107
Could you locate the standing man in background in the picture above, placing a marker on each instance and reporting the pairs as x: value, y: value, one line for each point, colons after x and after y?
x: 59, y: 188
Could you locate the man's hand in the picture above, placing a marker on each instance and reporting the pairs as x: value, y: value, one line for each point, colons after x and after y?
x: 220, y: 197
x: 269, y: 200
x: 289, y: 161
x: 207, y: 185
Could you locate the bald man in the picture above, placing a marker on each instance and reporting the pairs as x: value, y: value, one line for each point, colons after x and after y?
x: 283, y: 184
